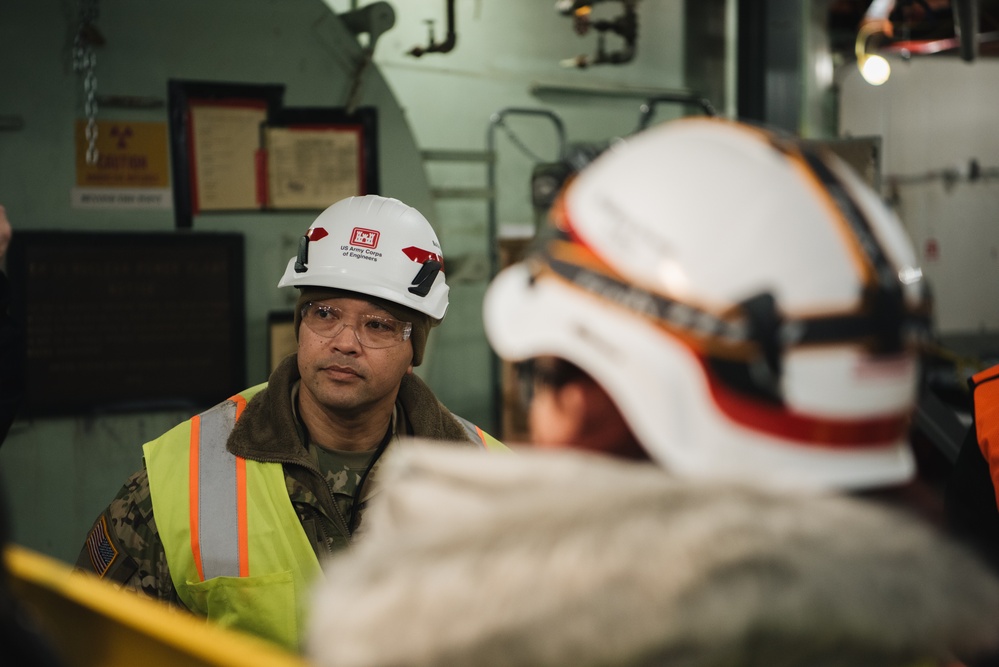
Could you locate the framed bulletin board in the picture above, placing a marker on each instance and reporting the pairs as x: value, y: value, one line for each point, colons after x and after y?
x: 235, y: 147
x: 316, y: 156
x: 214, y: 145
x: 128, y: 321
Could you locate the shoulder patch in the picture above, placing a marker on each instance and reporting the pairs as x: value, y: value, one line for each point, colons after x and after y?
x: 102, y: 552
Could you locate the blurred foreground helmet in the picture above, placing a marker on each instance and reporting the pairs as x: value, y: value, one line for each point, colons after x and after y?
x: 376, y: 246
x: 750, y: 305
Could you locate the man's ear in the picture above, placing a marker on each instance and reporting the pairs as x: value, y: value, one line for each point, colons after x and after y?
x: 555, y: 415
x: 574, y: 402
x: 575, y: 410
x: 597, y: 424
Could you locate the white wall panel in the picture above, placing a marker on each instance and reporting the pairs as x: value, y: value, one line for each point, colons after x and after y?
x: 935, y: 115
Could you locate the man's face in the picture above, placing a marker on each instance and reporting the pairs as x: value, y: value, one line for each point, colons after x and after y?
x: 343, y: 377
x: 577, y: 413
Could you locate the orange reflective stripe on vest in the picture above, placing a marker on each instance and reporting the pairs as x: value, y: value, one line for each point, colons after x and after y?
x: 219, y: 535
x: 480, y: 437
x: 236, y: 549
x: 986, y: 398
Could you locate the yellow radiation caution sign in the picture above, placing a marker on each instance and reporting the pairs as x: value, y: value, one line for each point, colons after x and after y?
x: 128, y: 165
x: 91, y: 623
x: 129, y: 155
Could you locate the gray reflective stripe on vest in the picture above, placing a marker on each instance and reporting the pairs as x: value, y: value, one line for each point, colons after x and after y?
x: 218, y: 525
x: 471, y: 430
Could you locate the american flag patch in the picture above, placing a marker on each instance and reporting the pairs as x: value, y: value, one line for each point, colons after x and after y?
x: 102, y: 552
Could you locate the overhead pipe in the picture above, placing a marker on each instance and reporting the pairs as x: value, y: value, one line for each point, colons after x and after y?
x: 450, y: 39
x: 966, y: 27
x: 927, y: 47
x: 625, y: 25
x: 877, y: 22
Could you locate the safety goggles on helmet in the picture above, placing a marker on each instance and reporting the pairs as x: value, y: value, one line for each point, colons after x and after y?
x: 372, y: 331
x: 745, y: 344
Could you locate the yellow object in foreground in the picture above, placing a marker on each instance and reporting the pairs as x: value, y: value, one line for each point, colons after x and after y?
x: 90, y: 623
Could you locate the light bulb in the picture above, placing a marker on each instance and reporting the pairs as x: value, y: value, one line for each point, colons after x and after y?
x: 875, y: 70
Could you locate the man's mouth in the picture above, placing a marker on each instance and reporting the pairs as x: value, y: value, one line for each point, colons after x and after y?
x: 339, y: 371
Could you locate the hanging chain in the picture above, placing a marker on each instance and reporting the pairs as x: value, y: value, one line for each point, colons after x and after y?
x: 85, y: 62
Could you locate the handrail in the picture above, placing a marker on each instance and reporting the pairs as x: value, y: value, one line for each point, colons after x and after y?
x: 495, y: 120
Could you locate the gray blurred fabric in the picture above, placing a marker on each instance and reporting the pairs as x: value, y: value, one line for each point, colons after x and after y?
x: 559, y: 558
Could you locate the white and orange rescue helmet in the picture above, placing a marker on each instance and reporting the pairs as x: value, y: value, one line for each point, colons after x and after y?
x: 749, y: 303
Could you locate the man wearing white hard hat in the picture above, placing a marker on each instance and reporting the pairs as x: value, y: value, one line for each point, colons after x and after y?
x: 748, y: 307
x: 720, y: 329
x: 235, y: 508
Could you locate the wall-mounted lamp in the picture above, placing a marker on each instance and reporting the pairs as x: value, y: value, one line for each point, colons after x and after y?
x: 874, y: 68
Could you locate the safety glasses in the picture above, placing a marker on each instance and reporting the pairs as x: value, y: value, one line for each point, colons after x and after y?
x: 373, y: 331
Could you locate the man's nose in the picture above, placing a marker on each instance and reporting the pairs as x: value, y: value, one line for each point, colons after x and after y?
x: 348, y: 341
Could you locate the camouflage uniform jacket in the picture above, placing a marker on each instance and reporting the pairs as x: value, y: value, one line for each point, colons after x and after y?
x: 124, y: 546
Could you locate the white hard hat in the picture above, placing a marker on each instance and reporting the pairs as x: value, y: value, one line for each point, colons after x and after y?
x: 375, y: 246
x: 749, y: 304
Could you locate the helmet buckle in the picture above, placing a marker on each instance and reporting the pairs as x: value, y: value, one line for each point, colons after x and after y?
x: 425, y: 277
x: 303, y: 255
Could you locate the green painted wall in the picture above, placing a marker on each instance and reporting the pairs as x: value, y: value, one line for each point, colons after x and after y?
x: 59, y: 473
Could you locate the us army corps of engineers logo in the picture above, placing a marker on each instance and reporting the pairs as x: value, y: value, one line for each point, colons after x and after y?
x: 362, y: 244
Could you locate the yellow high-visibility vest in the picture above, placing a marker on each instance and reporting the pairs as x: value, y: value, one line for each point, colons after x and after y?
x: 480, y: 437
x: 236, y: 549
